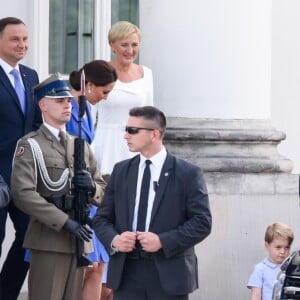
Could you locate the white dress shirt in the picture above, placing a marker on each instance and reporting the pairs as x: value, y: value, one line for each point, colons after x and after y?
x: 7, y: 69
x: 53, y: 130
x: 156, y: 165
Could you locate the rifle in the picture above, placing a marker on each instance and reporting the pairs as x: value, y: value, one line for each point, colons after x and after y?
x: 81, y: 196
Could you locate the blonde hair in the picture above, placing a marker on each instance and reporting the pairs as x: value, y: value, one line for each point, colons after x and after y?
x: 122, y: 29
x: 279, y: 230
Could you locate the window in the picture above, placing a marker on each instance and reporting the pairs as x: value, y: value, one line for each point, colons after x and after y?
x: 70, y: 34
x: 73, y: 40
x: 125, y: 10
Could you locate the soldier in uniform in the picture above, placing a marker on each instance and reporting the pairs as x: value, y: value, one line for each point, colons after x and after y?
x: 41, y: 182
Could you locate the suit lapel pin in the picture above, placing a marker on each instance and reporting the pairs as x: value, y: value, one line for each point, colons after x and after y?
x: 166, y: 174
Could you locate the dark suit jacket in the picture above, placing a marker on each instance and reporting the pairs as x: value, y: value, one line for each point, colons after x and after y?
x: 13, y: 123
x: 180, y: 216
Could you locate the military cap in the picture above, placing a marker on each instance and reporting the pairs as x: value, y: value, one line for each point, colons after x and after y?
x: 52, y: 87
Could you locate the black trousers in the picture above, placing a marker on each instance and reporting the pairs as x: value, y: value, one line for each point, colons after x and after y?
x: 14, y: 269
x: 140, y: 281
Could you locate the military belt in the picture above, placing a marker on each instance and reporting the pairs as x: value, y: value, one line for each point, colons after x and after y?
x: 63, y: 202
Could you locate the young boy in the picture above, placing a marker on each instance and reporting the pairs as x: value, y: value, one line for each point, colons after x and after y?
x: 278, y: 240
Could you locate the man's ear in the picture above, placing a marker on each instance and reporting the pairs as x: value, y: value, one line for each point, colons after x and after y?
x: 42, y: 105
x: 156, y: 134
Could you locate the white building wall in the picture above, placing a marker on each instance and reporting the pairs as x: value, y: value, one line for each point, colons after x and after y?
x: 285, y: 88
x: 211, y: 59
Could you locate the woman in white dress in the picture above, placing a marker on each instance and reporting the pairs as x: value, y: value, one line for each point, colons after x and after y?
x: 134, y: 87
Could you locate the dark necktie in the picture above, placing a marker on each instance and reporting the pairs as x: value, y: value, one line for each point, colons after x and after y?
x: 142, y: 212
x: 62, y: 138
x: 19, y: 89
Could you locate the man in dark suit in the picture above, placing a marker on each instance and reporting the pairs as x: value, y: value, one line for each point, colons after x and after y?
x: 151, y: 230
x: 19, y: 114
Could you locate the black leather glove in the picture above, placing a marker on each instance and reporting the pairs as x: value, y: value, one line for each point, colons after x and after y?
x: 80, y: 231
x: 83, y: 180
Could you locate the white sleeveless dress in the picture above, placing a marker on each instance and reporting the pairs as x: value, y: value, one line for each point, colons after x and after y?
x: 111, y: 116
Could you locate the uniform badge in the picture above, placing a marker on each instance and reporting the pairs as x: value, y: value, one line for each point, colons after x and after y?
x: 20, y: 151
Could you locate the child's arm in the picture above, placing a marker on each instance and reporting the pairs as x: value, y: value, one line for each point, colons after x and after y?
x: 255, y: 293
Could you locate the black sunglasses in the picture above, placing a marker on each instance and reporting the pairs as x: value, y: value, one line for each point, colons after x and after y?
x: 135, y: 130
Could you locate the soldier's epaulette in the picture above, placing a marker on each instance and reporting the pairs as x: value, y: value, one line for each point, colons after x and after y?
x: 20, y: 145
x: 30, y: 135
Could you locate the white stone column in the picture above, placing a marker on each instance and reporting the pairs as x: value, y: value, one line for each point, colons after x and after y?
x: 211, y: 62
x: 210, y: 59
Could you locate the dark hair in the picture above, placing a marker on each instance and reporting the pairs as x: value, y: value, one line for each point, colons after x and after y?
x: 151, y: 113
x: 99, y: 72
x: 8, y: 21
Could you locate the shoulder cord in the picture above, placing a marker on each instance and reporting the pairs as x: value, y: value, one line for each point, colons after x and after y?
x: 39, y: 160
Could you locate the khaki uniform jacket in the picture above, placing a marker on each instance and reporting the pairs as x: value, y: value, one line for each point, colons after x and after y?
x: 45, y: 230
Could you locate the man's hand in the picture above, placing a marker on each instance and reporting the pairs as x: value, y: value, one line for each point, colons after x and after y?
x: 125, y: 242
x: 80, y: 231
x: 83, y: 180
x: 149, y: 241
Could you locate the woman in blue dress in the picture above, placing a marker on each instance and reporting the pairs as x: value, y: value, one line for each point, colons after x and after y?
x: 100, y: 78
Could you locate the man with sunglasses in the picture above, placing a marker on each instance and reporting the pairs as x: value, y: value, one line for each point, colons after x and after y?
x: 155, y: 210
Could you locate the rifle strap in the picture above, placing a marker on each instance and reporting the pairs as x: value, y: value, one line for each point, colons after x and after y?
x: 40, y: 163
